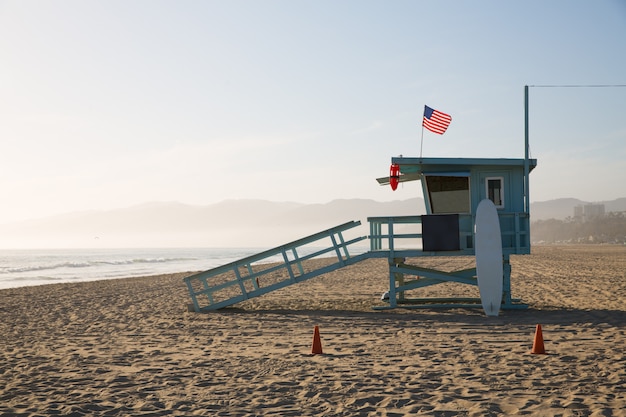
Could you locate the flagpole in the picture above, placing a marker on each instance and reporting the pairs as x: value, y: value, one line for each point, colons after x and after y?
x: 422, y: 141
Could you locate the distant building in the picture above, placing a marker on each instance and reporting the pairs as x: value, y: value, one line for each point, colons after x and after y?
x: 584, y: 213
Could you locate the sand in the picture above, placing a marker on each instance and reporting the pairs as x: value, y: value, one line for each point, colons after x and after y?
x: 130, y: 347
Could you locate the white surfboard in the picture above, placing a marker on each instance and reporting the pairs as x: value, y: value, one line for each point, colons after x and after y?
x: 489, y: 270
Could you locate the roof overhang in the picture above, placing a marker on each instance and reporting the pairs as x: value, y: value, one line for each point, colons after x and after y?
x: 411, y: 169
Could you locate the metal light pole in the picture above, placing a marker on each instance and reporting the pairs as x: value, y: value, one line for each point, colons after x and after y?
x: 526, y: 151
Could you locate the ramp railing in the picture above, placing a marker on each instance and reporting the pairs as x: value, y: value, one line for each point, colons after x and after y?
x: 273, y: 269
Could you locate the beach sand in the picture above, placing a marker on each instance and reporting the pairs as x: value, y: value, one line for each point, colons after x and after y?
x: 130, y: 347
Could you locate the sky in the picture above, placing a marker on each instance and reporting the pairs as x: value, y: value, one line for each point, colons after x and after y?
x: 110, y: 104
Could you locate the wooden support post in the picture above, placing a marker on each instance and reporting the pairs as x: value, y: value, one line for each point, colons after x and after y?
x: 506, y: 281
x: 399, y: 278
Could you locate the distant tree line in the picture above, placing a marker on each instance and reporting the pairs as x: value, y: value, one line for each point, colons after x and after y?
x: 610, y: 228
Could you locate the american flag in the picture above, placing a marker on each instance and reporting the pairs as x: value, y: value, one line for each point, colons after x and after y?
x: 436, y: 121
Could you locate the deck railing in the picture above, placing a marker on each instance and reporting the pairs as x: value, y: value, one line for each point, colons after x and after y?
x: 404, y: 234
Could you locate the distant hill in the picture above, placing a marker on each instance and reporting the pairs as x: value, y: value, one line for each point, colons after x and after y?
x: 615, y: 205
x: 230, y: 223
x: 554, y: 209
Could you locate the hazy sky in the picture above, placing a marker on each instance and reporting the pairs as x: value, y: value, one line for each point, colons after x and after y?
x: 108, y: 104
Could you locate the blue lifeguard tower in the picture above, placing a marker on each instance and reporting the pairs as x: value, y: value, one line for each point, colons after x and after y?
x: 452, y: 190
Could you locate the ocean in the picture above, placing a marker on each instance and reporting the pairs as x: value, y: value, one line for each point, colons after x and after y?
x: 19, y: 268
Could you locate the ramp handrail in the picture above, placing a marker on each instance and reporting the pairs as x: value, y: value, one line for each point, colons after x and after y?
x: 254, y: 275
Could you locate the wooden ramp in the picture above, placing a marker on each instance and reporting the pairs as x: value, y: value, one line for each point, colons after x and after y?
x: 273, y: 269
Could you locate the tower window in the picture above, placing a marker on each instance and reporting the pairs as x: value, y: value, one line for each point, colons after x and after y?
x: 495, y: 190
x: 448, y: 193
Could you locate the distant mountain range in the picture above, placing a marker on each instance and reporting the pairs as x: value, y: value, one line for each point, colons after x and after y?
x: 231, y: 223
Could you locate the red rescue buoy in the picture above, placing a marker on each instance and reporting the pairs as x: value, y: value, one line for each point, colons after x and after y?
x: 394, y: 176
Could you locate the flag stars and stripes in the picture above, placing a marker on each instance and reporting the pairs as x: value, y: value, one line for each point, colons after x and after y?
x: 436, y: 121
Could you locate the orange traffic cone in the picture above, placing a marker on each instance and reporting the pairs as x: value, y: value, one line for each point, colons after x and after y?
x: 317, y: 343
x: 538, y: 342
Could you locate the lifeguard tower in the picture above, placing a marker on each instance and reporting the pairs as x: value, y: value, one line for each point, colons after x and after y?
x: 455, y: 192
x: 452, y: 189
